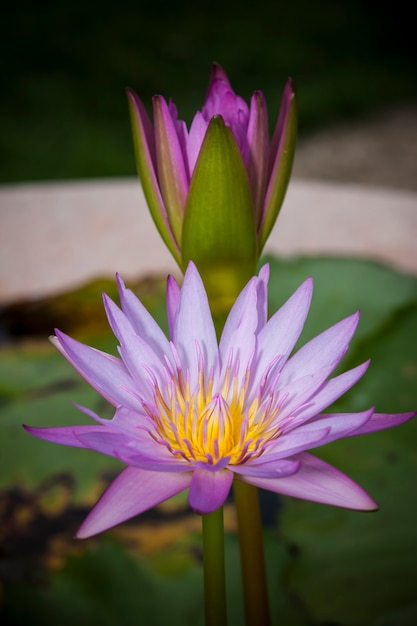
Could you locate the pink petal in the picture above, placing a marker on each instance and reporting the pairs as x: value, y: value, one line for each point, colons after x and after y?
x: 172, y: 174
x: 145, y: 150
x: 237, y: 342
x: 281, y: 332
x: 209, y: 489
x: 137, y: 355
x: 147, y: 137
x: 132, y: 492
x: 220, y: 99
x: 281, y: 155
x: 142, y: 321
x: 262, y: 297
x: 217, y: 73
x: 258, y: 148
x: 253, y: 296
x: 65, y: 435
x: 339, y: 424
x: 289, y: 444
x: 277, y: 138
x: 379, y: 421
x: 173, y: 298
x: 270, y: 469
x: 104, y: 372
x: 182, y: 133
x: 125, y: 420
x: 331, y: 391
x: 327, y: 349
x: 318, y: 481
x: 299, y: 392
x: 196, y: 136
x: 104, y: 441
x: 142, y: 452
x: 313, y: 394
x: 194, y: 328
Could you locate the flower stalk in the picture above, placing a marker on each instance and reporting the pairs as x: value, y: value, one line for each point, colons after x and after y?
x: 255, y: 590
x: 214, y: 569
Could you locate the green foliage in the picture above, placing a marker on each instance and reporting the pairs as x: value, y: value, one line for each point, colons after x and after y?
x: 325, y: 565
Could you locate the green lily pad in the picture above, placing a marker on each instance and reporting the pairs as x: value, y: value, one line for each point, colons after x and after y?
x: 341, y: 287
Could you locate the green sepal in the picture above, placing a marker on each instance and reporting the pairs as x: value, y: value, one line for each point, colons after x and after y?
x: 286, y: 137
x: 219, y: 232
x: 146, y: 171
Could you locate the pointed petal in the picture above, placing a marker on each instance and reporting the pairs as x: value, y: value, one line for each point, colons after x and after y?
x: 217, y: 73
x: 246, y: 298
x: 64, y: 435
x: 137, y: 355
x: 326, y: 349
x: 289, y: 444
x: 380, y: 421
x: 279, y: 336
x: 237, y: 342
x: 139, y: 446
x: 222, y: 100
x: 194, y: 328
x: 258, y: 145
x: 182, y: 133
x: 331, y: 391
x: 292, y: 397
x: 125, y: 420
x: 173, y: 299
x: 145, y: 152
x: 142, y: 321
x: 281, y: 159
x: 102, y: 371
x: 105, y: 441
x: 318, y: 481
x: 142, y: 452
x: 172, y: 173
x: 209, y: 489
x: 134, y: 491
x: 195, y: 140
x: 278, y: 468
x: 263, y: 297
x: 338, y: 424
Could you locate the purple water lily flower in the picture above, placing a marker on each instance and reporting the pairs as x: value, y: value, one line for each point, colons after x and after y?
x: 198, y: 414
x: 167, y: 154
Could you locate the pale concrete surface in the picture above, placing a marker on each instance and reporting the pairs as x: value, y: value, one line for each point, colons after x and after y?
x: 56, y: 236
x: 381, y: 150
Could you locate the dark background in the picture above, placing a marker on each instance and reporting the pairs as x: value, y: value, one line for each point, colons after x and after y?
x: 65, y: 67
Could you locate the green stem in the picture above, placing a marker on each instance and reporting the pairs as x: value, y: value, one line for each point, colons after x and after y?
x: 214, y: 569
x: 255, y: 589
x: 221, y: 296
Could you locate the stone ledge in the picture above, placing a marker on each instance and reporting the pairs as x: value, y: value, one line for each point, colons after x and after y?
x: 55, y: 236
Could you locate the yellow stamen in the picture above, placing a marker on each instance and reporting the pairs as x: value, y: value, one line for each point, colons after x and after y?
x: 209, y: 427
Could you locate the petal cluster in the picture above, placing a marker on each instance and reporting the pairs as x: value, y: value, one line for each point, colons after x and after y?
x: 168, y: 156
x: 191, y: 412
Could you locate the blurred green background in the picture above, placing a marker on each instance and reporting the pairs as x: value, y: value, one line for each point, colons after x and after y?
x: 65, y: 67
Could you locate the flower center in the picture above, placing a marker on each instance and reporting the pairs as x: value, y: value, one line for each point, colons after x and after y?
x: 213, y: 427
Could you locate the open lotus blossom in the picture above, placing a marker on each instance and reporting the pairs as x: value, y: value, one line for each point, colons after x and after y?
x: 168, y: 156
x: 194, y: 413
